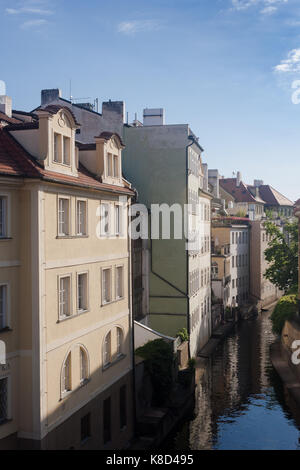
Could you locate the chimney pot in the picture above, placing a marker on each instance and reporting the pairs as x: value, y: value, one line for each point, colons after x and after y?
x: 6, y: 105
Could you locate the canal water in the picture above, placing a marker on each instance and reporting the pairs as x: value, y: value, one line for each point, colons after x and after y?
x: 241, y: 403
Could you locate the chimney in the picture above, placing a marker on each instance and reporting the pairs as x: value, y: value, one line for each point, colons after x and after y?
x: 6, y: 105
x: 154, y: 117
x: 50, y: 95
x: 205, y: 176
x: 238, y: 179
x: 258, y: 183
x: 213, y: 178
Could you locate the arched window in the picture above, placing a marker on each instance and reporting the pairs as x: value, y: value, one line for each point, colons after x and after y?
x: 120, y: 338
x: 66, y: 375
x: 107, y: 349
x: 84, y: 366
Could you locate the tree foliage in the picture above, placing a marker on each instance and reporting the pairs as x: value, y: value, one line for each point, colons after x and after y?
x: 159, y: 359
x: 284, y: 310
x: 282, y: 255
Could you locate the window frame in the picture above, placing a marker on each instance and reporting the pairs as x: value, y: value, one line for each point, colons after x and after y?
x: 103, y: 233
x: 84, y: 379
x: 65, y: 276
x: 103, y: 302
x: 119, y: 266
x: 6, y: 216
x: 6, y: 314
x: 8, y: 398
x: 66, y: 198
x: 65, y: 138
x: 80, y: 234
x: 78, y: 310
x: 64, y: 391
x: 106, y: 363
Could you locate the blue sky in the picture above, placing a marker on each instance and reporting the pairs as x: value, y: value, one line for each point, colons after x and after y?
x: 224, y: 66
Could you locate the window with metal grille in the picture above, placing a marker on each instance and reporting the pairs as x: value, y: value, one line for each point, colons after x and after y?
x: 81, y: 218
x: 3, y: 217
x: 3, y: 307
x: 123, y: 407
x: 64, y: 297
x: 3, y: 399
x: 63, y: 217
x: 107, y: 420
x: 85, y: 427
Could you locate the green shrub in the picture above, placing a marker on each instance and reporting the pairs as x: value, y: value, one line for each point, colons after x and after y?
x: 293, y: 290
x: 159, y: 359
x: 183, y: 334
x: 284, y: 310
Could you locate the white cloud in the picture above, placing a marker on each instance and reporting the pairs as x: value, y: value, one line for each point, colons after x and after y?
x: 35, y: 11
x: 137, y: 26
x: 291, y: 64
x: 33, y: 23
x: 267, y: 7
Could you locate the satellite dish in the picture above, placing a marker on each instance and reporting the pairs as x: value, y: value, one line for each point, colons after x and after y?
x: 2, y: 88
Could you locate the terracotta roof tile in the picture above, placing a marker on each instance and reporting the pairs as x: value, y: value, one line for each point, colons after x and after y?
x: 240, y: 193
x: 12, y: 120
x: 273, y: 197
x: 15, y: 161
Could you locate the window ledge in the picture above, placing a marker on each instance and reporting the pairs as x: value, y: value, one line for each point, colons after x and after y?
x: 5, y: 239
x: 70, y: 237
x: 115, y: 361
x: 112, y: 302
x: 6, y: 328
x: 78, y: 314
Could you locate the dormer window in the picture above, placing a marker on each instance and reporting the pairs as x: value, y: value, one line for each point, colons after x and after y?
x: 112, y: 165
x: 66, y: 151
x: 56, y: 152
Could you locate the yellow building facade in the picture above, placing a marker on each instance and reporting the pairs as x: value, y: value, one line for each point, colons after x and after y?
x: 65, y: 291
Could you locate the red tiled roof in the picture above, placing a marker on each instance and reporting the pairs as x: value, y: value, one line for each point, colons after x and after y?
x: 12, y: 120
x: 15, y: 161
x: 240, y: 193
x: 273, y: 197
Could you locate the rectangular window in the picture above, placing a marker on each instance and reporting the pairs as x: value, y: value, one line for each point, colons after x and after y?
x: 119, y: 282
x: 105, y: 219
x: 85, y: 427
x: 123, y: 407
x: 116, y: 166
x: 56, y: 148
x: 63, y: 217
x: 81, y: 218
x: 3, y: 307
x: 107, y: 420
x: 3, y: 400
x: 82, y: 292
x: 106, y: 286
x: 3, y: 216
x: 64, y: 296
x: 232, y: 261
x: 66, y: 151
x: 109, y: 165
x: 118, y: 220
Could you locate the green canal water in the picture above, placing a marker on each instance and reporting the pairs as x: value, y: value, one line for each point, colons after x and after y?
x: 241, y: 403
